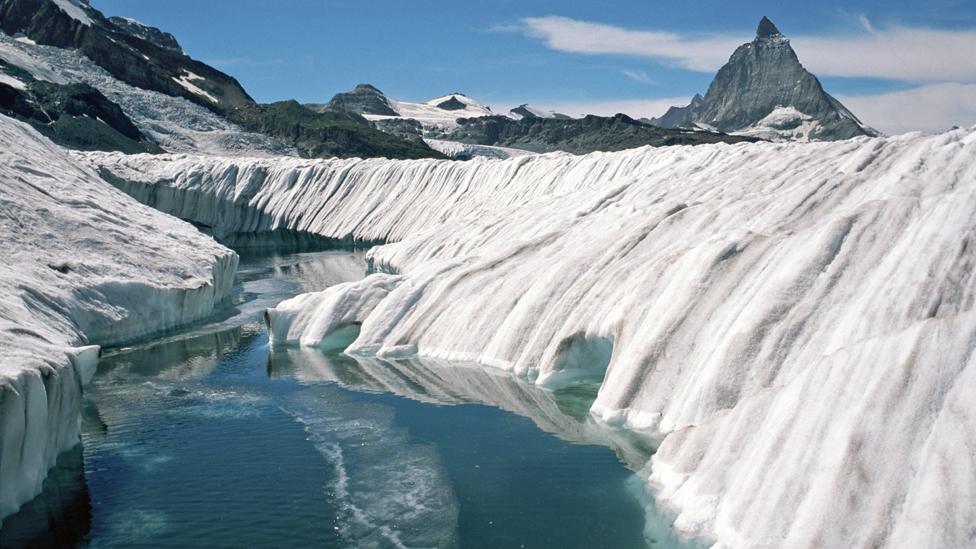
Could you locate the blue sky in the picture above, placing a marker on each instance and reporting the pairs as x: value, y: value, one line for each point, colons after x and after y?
x: 898, y: 64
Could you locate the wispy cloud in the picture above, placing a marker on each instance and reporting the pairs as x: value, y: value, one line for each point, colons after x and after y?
x: 932, y: 108
x: 911, y: 54
x: 638, y: 76
x: 701, y: 53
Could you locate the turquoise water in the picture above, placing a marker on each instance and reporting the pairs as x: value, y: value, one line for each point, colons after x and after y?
x: 207, y: 438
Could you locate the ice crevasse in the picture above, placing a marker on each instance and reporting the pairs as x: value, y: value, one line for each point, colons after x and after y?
x: 796, y: 321
x: 83, y: 265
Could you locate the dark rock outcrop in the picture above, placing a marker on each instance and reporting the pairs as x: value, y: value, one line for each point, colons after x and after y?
x: 759, y: 78
x: 524, y: 111
x: 451, y: 104
x: 578, y: 136
x: 405, y: 128
x: 363, y: 99
x: 76, y: 116
x: 326, y: 134
x: 150, y: 34
x: 126, y: 55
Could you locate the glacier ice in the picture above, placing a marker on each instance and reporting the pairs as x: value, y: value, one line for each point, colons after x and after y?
x: 456, y: 149
x: 794, y: 320
x: 84, y: 265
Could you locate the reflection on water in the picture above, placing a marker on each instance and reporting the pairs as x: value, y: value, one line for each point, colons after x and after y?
x: 206, y: 438
x: 60, y: 516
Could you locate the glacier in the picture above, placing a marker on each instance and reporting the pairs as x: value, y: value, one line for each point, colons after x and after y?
x: 84, y: 266
x: 794, y: 321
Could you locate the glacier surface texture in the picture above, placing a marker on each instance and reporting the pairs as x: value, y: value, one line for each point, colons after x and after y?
x: 795, y: 321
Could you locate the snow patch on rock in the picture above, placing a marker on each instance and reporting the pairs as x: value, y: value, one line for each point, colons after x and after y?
x: 176, y: 124
x: 75, y: 10
x: 186, y: 81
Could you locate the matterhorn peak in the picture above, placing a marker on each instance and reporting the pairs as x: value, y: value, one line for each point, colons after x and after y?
x: 767, y: 29
x: 764, y: 91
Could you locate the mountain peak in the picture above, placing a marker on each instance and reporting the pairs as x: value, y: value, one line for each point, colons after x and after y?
x: 366, y: 88
x: 764, y: 88
x: 767, y: 29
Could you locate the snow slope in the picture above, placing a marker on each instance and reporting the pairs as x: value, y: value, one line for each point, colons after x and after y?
x: 795, y: 321
x: 432, y: 117
x: 783, y: 124
x: 83, y: 265
x: 174, y: 123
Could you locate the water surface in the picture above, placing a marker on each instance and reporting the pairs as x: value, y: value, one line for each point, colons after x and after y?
x: 206, y: 438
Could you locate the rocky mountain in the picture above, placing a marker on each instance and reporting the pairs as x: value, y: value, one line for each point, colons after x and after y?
x: 462, y: 127
x: 325, y: 134
x: 76, y: 116
x: 122, y: 49
x: 150, y: 34
x: 577, y: 135
x: 145, y: 58
x: 764, y: 91
x: 363, y: 99
x: 525, y: 111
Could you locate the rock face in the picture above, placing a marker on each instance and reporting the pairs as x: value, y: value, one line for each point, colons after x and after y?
x: 364, y: 99
x: 328, y: 133
x: 577, y: 135
x: 150, y: 34
x: 147, y: 58
x: 525, y: 111
x: 761, y: 77
x: 76, y: 116
x: 123, y: 52
x: 452, y: 104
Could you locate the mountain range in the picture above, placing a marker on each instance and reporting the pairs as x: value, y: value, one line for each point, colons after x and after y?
x: 110, y: 83
x: 764, y: 91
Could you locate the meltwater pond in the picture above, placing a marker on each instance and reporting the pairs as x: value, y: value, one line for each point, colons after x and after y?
x: 206, y: 438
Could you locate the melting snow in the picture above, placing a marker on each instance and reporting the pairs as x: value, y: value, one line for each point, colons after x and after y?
x: 12, y: 82
x: 186, y: 79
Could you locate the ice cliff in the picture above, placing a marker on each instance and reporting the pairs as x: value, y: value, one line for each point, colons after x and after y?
x: 796, y: 321
x: 83, y: 265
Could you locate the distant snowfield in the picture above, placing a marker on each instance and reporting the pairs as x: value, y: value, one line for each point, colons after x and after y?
x: 796, y: 321
x: 430, y: 116
x: 83, y: 265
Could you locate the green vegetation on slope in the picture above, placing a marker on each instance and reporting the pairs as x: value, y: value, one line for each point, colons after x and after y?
x: 326, y: 134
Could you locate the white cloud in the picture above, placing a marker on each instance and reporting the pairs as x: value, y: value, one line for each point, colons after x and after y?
x: 638, y: 76
x: 932, y: 108
x: 896, y: 53
x: 704, y: 53
x: 911, y: 54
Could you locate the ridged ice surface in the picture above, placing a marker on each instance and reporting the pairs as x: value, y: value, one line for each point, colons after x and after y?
x: 796, y: 320
x: 82, y: 264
